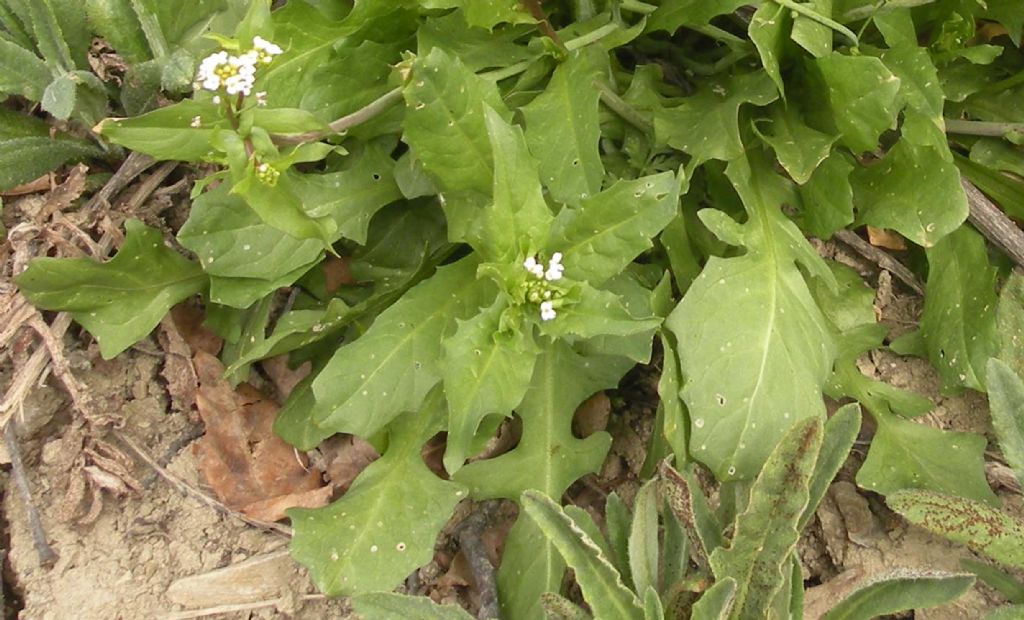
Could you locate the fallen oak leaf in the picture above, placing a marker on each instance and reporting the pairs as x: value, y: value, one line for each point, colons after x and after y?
x: 273, y: 509
x: 240, y: 457
x: 885, y: 238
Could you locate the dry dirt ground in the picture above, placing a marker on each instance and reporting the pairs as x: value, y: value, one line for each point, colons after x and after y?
x: 156, y: 552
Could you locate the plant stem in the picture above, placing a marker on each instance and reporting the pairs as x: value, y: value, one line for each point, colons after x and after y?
x: 821, y: 19
x: 535, y: 9
x: 867, y: 11
x: 366, y: 113
x: 635, y: 6
x: 983, y: 128
x: 591, y: 37
x: 1007, y: 83
x: 619, y: 106
x: 719, y: 34
x: 718, y: 66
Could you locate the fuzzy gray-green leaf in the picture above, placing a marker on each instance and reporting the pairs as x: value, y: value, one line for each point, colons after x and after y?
x: 766, y: 531
x: 1006, y: 399
x: 601, y: 584
x: 890, y: 593
x: 983, y: 528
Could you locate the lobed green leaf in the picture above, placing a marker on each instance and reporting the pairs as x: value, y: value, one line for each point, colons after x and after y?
x: 119, y: 301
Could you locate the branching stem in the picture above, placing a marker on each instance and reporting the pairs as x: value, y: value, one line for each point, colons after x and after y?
x: 366, y: 113
x: 619, y: 106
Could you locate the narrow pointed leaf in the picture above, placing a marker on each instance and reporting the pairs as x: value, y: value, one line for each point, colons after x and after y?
x: 601, y: 584
x: 387, y: 606
x: 890, y: 593
x: 1006, y: 399
x: 166, y: 133
x: 21, y: 72
x: 840, y: 432
x: 766, y: 531
x: 980, y: 527
x: 716, y: 602
x: 518, y: 212
x: 643, y: 538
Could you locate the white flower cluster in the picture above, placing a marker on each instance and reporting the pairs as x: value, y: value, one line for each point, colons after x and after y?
x: 235, y: 74
x: 539, y: 291
x: 553, y: 272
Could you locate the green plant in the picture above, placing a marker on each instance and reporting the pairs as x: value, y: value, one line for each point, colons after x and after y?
x: 753, y: 575
x: 697, y: 148
x: 45, y: 48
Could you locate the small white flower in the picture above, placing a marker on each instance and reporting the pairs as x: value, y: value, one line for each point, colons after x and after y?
x: 263, y: 45
x: 197, y: 121
x: 216, y: 100
x: 532, y: 266
x: 547, y: 311
x: 238, y: 84
x: 555, y: 268
x: 261, y: 98
x: 264, y: 50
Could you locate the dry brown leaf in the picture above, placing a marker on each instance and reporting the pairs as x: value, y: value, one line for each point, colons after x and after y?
x: 991, y: 30
x: 458, y: 573
x: 592, y: 415
x: 336, y: 273
x: 346, y: 456
x: 240, y: 457
x: 284, y: 378
x: 189, y: 321
x: 885, y: 238
x: 273, y: 509
x: 177, y: 369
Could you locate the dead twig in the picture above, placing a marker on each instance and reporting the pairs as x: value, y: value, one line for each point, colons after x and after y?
x: 134, y: 165
x: 47, y: 556
x: 993, y: 223
x: 187, y: 489
x: 469, y: 535
x: 148, y: 186
x: 227, y: 609
x: 881, y: 258
x: 31, y: 372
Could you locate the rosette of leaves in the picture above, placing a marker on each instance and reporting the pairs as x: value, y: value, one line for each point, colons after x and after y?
x: 801, y: 118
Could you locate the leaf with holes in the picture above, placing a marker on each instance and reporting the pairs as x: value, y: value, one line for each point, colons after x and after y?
x: 360, y: 543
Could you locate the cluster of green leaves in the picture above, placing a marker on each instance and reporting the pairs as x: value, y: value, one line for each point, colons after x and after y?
x: 45, y: 48
x: 441, y: 144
